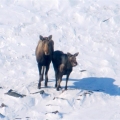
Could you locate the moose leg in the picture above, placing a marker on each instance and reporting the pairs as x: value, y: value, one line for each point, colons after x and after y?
x: 67, y: 81
x: 46, y: 75
x: 39, y: 68
x: 56, y: 79
x: 59, y: 81
x: 42, y: 73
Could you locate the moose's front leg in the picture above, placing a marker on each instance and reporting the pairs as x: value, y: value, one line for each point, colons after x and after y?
x: 67, y: 77
x: 46, y: 75
x: 42, y: 73
x: 40, y: 76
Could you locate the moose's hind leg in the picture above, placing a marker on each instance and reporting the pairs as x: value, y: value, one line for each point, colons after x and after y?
x: 59, y: 81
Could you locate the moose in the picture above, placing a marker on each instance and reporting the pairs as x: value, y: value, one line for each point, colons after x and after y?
x: 63, y: 64
x: 44, y: 51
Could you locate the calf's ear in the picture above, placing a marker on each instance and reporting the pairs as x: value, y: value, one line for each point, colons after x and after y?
x: 41, y: 37
x: 69, y: 54
x: 50, y: 37
x: 76, y: 54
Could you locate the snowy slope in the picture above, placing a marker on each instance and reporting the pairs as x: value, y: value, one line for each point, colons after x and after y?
x: 90, y: 27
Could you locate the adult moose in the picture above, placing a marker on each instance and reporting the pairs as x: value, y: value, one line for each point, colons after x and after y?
x: 44, y: 51
x: 63, y: 64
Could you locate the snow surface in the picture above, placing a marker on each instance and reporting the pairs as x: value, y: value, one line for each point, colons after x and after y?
x: 90, y: 27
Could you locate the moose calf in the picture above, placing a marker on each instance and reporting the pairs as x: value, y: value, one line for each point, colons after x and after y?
x: 63, y: 64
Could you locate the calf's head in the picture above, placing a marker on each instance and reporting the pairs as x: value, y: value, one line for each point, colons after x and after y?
x: 47, y: 44
x: 72, y: 59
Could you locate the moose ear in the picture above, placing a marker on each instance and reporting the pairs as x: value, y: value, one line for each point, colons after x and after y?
x: 69, y: 54
x: 76, y: 54
x: 41, y: 37
x: 50, y: 37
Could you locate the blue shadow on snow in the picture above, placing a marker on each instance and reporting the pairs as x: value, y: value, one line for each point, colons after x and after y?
x: 96, y: 84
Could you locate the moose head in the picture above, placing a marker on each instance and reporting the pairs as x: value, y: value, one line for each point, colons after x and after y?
x: 72, y: 58
x: 47, y: 44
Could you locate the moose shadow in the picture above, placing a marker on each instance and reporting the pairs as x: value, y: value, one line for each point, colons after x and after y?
x: 105, y: 85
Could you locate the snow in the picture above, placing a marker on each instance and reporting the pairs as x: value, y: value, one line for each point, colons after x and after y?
x: 91, y: 28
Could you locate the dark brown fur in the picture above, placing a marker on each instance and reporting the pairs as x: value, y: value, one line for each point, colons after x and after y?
x: 63, y: 64
x: 44, y: 51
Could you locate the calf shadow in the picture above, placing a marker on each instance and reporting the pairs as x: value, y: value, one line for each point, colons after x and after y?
x: 105, y: 85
